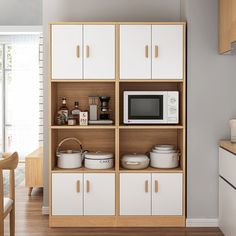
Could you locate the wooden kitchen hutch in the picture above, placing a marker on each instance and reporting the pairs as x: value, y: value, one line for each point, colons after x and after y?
x: 102, y: 198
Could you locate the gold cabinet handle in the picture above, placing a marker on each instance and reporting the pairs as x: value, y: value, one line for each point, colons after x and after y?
x: 78, y: 51
x: 146, y: 186
x: 156, y: 186
x: 78, y: 186
x: 87, y: 51
x: 87, y: 186
x: 146, y: 51
x: 156, y: 51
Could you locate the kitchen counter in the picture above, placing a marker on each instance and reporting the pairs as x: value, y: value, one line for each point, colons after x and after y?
x: 227, y: 187
x: 226, y: 144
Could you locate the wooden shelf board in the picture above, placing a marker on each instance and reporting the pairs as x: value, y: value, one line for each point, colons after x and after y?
x: 82, y: 80
x: 152, y: 170
x: 82, y: 170
x: 152, y: 80
x: 83, y: 127
x: 151, y: 126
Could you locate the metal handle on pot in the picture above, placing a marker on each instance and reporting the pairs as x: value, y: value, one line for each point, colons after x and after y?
x: 68, y: 139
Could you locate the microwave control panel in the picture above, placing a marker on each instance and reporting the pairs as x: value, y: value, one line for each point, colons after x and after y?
x: 173, y: 107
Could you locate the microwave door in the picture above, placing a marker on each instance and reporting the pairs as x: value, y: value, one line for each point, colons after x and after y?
x: 145, y: 108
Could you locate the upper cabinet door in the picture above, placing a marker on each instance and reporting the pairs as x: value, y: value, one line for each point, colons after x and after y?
x: 67, y: 52
x: 167, y: 194
x: 135, y: 194
x: 135, y: 51
x: 99, y: 52
x: 167, y: 52
x: 99, y: 194
x: 67, y: 194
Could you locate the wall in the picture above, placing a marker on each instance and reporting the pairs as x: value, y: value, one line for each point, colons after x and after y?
x: 21, y: 12
x: 211, y: 82
x: 211, y: 100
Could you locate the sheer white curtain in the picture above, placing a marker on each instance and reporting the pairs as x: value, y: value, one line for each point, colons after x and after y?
x: 21, y: 93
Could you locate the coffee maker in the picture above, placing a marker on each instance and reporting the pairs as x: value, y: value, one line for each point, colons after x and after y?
x: 105, y: 111
x: 104, y: 117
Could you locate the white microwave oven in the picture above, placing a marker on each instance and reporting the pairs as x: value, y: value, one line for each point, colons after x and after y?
x: 151, y: 107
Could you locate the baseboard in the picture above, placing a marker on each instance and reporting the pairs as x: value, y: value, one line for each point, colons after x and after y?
x: 45, y: 210
x: 202, y: 222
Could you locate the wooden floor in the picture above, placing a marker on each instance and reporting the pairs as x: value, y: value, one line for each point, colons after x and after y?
x: 30, y: 222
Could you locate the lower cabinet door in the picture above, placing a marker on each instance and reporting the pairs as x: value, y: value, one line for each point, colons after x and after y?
x: 99, y: 194
x: 67, y: 194
x: 135, y: 194
x: 227, y: 208
x: 167, y: 194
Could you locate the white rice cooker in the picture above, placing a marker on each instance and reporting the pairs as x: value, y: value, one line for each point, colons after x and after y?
x: 164, y: 156
x: 70, y: 159
x: 99, y: 160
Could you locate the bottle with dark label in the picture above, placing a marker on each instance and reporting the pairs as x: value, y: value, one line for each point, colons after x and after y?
x: 64, y: 109
x: 76, y: 111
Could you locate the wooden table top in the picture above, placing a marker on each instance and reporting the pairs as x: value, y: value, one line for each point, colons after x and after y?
x: 38, y: 153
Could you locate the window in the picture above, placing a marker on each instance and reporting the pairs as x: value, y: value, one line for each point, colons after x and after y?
x: 19, y: 93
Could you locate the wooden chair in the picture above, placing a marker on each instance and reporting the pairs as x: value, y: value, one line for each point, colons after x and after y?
x: 7, y: 204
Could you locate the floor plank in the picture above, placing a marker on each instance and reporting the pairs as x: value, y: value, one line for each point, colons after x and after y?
x: 30, y: 222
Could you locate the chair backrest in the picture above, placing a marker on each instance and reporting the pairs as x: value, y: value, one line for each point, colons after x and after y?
x: 9, y: 162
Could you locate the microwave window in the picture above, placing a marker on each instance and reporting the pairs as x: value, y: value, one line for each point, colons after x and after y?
x: 145, y: 107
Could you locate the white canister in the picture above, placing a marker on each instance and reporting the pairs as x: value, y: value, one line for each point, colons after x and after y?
x: 233, y: 130
x: 99, y: 160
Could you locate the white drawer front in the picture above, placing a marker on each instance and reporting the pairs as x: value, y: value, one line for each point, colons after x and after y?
x: 227, y: 166
x: 227, y: 208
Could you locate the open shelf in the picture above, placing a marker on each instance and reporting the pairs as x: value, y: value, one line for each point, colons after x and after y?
x: 143, y: 140
x: 80, y: 92
x: 152, y: 170
x: 82, y: 81
x: 82, y: 170
x: 151, y: 127
x: 92, y: 140
x: 83, y: 127
x: 151, y: 85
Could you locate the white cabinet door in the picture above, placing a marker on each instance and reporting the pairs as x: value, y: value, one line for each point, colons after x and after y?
x: 67, y: 194
x: 99, y: 194
x: 135, y: 51
x: 227, y: 208
x: 227, y: 163
x: 167, y: 194
x: 167, y: 52
x: 99, y: 51
x: 135, y: 194
x: 67, y: 52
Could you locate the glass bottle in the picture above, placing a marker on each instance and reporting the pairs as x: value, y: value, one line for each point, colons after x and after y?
x: 64, y: 109
x: 76, y: 111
